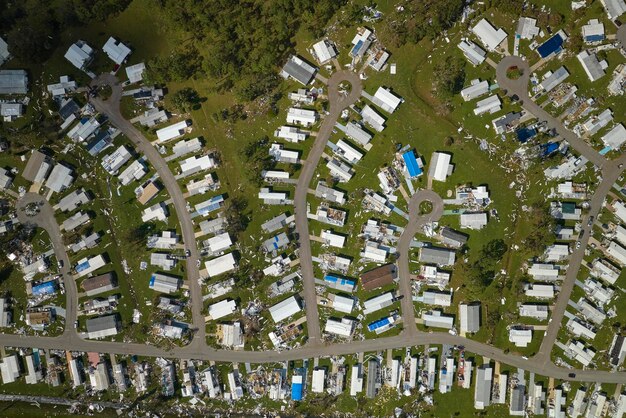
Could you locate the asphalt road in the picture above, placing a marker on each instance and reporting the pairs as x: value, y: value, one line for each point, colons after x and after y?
x: 338, y: 102
x: 111, y: 108
x: 45, y: 219
x: 539, y: 364
x: 416, y: 222
x: 611, y: 170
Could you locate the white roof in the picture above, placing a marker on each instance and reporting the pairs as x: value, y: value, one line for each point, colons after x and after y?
x: 490, y: 104
x: 488, y: 35
x: 387, y: 100
x: 317, y: 384
x: 542, y: 291
x: 220, y: 265
x: 475, y: 54
x: 378, y: 302
x: 195, y: 164
x: 135, y: 72
x: 79, y: 54
x: 172, y: 131
x: 343, y: 304
x: 284, y: 309
x: 436, y: 319
x: 553, y: 79
x: 341, y: 327
x: 593, y: 67
x: 593, y: 28
x: 163, y: 283
x: 615, y: 137
x: 473, y: 220
x: 440, y: 166
x: 617, y: 252
x: 534, y: 311
x: 9, y: 368
x: 475, y: 89
x: 157, y: 211
x: 275, y: 174
x: 349, y: 153
x: 302, y: 116
x: 324, y: 51
x: 527, y: 28
x: 186, y: 147
x: 135, y: 171
x: 620, y: 210
x: 60, y: 178
x: 333, y: 240
x: 520, y: 337
x: 290, y: 133
x: 222, y: 308
x: 116, y: 159
x: 614, y: 8
x: 116, y: 50
x: 219, y: 242
x: 372, y: 118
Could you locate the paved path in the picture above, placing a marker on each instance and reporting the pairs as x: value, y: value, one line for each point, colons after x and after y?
x: 337, y: 104
x: 45, y: 219
x: 416, y: 221
x: 307, y: 352
x: 111, y: 108
x: 611, y: 170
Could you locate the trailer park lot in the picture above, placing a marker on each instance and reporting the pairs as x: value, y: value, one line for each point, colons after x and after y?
x: 351, y: 230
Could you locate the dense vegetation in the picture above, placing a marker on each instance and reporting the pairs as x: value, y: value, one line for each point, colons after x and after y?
x: 239, y: 43
x: 418, y: 19
x: 32, y: 26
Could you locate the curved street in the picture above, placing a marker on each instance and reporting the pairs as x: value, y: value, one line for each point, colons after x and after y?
x: 337, y: 104
x: 415, y: 224
x: 111, y: 108
x: 198, y: 349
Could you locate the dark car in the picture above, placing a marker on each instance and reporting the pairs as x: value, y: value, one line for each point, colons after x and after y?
x: 572, y: 375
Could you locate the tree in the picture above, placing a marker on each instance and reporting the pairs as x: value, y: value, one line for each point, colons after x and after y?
x: 450, y: 76
x: 186, y: 100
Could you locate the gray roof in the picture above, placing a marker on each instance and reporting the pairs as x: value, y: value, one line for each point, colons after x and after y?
x: 299, y: 70
x: 517, y: 398
x: 102, y: 323
x: 436, y: 255
x: 484, y: 376
x: 13, y: 82
x: 472, y: 319
x: 372, y: 374
x: 453, y: 237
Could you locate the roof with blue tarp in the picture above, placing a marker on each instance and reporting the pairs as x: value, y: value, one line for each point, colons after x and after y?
x: 549, y: 148
x: 378, y: 324
x: 356, y: 48
x: 411, y: 164
x: 82, y: 266
x: 524, y: 134
x: 100, y: 142
x: 594, y: 38
x: 551, y: 46
x: 45, y: 288
x: 296, y: 391
x: 343, y: 282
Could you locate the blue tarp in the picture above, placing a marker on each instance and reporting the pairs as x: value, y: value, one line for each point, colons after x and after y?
x: 378, y: 324
x: 296, y: 391
x: 411, y: 164
x: 550, y: 46
x: 356, y: 48
x: 594, y: 38
x: 549, y: 148
x: 82, y: 266
x: 45, y: 288
x: 151, y: 285
x: 524, y: 134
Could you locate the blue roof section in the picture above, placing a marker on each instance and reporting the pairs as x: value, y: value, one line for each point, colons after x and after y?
x: 152, y: 278
x: 343, y: 282
x: 551, y: 46
x: 549, y: 148
x: 524, y: 134
x: 378, y: 324
x: 82, y: 266
x: 100, y: 142
x: 356, y: 48
x: 45, y: 288
x: 411, y: 164
x: 594, y: 38
x: 214, y: 204
x: 296, y: 391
